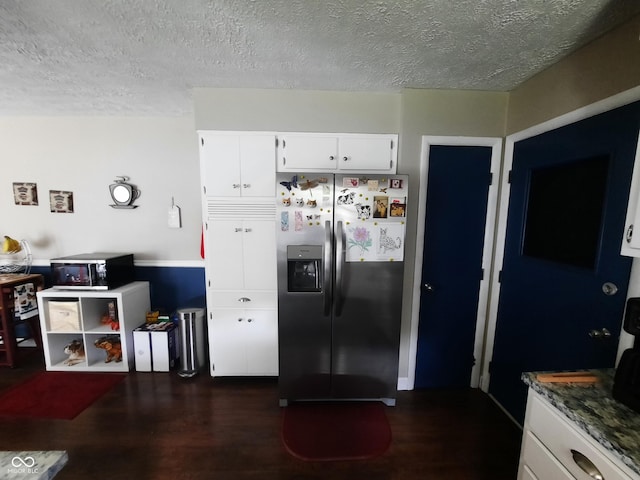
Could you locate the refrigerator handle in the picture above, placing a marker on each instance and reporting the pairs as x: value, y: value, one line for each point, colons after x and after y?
x: 340, y: 257
x: 326, y: 274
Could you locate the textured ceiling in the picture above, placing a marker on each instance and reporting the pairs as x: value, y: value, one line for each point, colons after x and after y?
x: 142, y: 57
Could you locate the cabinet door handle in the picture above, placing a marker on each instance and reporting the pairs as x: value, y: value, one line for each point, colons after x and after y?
x: 240, y: 319
x: 244, y: 299
x: 586, y: 465
x: 344, y: 159
x: 629, y: 233
x: 331, y: 157
x: 246, y: 185
x: 238, y: 230
x: 248, y: 230
x: 249, y: 320
x: 236, y: 185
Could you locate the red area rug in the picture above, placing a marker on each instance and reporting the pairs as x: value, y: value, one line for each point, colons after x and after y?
x: 336, y: 431
x: 61, y: 395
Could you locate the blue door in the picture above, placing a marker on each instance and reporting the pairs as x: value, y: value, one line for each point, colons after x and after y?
x: 456, y: 210
x: 563, y: 280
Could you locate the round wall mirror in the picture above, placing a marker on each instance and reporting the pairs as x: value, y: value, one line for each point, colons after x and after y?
x: 123, y: 193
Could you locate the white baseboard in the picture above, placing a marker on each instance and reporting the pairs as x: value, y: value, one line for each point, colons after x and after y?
x: 404, y: 383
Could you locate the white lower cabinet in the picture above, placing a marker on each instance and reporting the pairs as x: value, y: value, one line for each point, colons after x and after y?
x: 243, y: 334
x: 70, y: 317
x: 553, y: 448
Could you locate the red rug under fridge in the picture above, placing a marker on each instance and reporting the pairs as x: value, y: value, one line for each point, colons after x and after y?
x: 336, y: 430
x: 61, y: 395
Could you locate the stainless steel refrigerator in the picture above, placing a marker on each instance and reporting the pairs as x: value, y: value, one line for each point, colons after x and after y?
x: 340, y: 269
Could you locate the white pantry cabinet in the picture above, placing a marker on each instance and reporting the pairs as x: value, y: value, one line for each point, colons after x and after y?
x: 68, y: 315
x: 631, y: 237
x: 327, y: 152
x: 237, y: 164
x: 238, y: 172
x: 554, y: 448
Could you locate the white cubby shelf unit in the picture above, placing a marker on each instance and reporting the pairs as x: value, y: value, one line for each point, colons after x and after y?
x: 81, y: 319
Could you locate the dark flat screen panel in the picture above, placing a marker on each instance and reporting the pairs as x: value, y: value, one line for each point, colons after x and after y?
x: 564, y: 212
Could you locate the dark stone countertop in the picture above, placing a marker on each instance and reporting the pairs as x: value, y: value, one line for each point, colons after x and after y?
x: 592, y: 409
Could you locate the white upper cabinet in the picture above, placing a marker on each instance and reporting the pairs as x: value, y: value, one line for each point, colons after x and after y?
x: 631, y: 237
x: 362, y: 153
x: 238, y: 164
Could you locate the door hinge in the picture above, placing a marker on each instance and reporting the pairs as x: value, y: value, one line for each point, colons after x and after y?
x: 391, y: 144
x: 481, y: 274
x: 509, y: 178
x: 276, y: 142
x: 490, y: 367
x: 204, y: 189
x: 500, y: 276
x: 490, y: 178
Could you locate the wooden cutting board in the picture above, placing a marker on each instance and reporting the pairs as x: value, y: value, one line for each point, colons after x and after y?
x: 567, y: 377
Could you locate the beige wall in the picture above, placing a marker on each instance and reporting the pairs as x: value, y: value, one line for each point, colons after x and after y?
x: 296, y: 111
x: 601, y: 69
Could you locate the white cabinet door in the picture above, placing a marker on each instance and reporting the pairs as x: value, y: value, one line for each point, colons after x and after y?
x: 631, y: 237
x: 243, y: 342
x: 227, y: 348
x: 241, y: 254
x: 259, y: 254
x: 370, y: 153
x: 262, y: 342
x: 258, y: 165
x: 307, y: 152
x: 224, y: 253
x: 234, y: 165
x: 311, y: 152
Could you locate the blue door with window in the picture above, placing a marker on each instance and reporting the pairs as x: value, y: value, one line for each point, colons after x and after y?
x: 563, y: 281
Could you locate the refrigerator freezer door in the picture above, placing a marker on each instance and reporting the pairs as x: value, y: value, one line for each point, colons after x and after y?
x: 305, y: 210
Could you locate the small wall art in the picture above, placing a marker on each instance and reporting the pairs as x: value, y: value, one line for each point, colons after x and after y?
x: 61, y: 201
x: 25, y: 193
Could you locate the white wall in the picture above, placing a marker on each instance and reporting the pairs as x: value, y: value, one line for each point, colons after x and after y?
x: 84, y: 155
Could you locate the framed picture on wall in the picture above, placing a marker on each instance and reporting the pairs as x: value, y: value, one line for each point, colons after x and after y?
x: 25, y: 193
x: 61, y: 201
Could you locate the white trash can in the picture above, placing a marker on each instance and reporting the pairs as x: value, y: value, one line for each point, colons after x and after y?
x: 192, y: 354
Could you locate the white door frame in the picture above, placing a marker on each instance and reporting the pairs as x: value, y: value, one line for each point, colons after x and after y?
x: 492, y: 205
x: 602, y: 106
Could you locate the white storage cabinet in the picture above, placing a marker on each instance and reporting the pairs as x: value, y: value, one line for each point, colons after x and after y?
x: 237, y: 164
x: 240, y: 251
x: 80, y: 318
x: 553, y: 448
x: 245, y: 333
x: 319, y: 152
x: 631, y: 237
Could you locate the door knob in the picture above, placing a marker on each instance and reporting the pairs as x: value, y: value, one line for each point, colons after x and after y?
x: 600, y: 334
x: 428, y: 287
x: 609, y: 288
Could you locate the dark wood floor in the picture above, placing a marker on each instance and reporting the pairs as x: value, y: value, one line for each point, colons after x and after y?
x: 161, y: 426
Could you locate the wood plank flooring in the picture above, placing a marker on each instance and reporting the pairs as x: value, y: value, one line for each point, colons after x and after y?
x: 161, y: 426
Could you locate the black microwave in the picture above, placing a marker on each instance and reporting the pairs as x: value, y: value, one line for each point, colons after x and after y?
x: 92, y: 271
